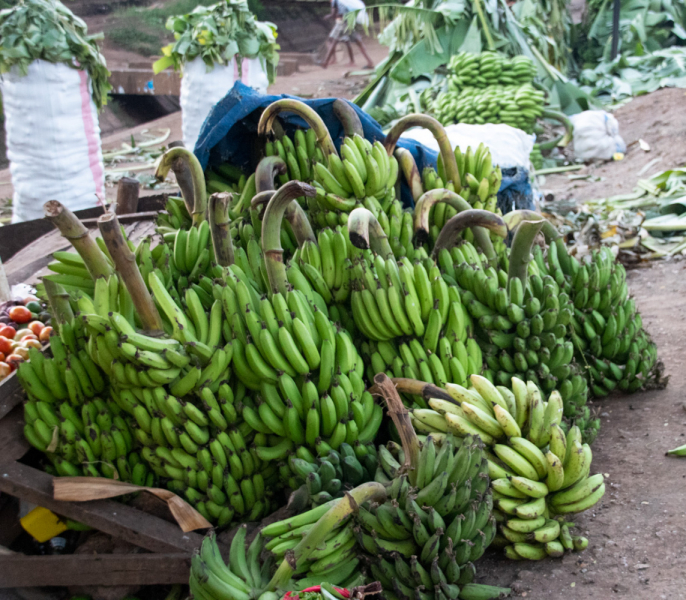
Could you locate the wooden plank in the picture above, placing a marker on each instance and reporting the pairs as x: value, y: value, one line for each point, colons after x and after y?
x: 13, y: 445
x: 108, y: 516
x: 18, y: 571
x: 11, y: 394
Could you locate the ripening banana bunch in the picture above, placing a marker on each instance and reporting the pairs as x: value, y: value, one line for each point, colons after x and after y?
x: 335, y: 560
x: 606, y: 328
x: 538, y: 474
x: 326, y: 265
x: 334, y: 472
x: 245, y: 577
x: 487, y: 68
x: 428, y: 533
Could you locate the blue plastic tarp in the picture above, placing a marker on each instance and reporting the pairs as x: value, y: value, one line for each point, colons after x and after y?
x: 229, y: 134
x: 230, y: 130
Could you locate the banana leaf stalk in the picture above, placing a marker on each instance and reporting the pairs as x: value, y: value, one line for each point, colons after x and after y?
x: 271, y: 231
x: 473, y: 218
x: 439, y: 133
x: 190, y: 178
x: 220, y: 228
x: 385, y: 387
x: 346, y: 114
x: 520, y: 253
x: 362, y: 223
x: 349, y: 504
x: 409, y: 168
x: 265, y: 126
x: 78, y: 235
x: 59, y: 302
x: 125, y: 263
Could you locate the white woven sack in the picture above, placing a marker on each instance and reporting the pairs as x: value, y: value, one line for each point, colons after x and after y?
x: 53, y: 139
x: 201, y: 90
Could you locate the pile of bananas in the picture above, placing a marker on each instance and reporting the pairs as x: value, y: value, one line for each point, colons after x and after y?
x: 488, y: 68
x: 607, y: 329
x: 490, y: 88
x: 515, y: 105
x: 435, y: 524
x: 538, y: 474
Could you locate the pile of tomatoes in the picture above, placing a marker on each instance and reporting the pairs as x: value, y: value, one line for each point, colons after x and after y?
x: 21, y: 328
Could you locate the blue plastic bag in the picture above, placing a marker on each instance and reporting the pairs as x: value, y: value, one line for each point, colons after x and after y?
x: 229, y: 133
x: 515, y: 191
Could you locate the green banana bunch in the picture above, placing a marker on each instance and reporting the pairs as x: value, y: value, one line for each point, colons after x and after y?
x: 606, y: 327
x: 299, y: 153
x: 245, y: 577
x: 521, y: 319
x: 486, y: 68
x: 489, y: 88
x: 225, y: 178
x: 538, y: 474
x: 430, y: 533
x: 331, y: 475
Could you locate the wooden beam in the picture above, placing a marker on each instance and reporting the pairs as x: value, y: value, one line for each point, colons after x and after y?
x: 18, y: 570
x: 108, y: 516
x: 11, y: 394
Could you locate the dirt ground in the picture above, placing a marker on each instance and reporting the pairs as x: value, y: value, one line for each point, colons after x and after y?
x: 660, y: 120
x: 638, y: 531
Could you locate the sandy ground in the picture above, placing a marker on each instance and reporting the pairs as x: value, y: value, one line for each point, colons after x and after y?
x: 637, y: 532
x: 660, y: 120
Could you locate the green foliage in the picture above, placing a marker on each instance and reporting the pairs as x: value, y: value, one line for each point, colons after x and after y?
x: 217, y: 33
x: 47, y: 30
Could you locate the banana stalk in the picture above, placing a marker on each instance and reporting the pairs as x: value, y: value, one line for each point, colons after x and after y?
x: 469, y: 218
x: 415, y: 387
x: 515, y: 217
x: 520, y: 253
x: 361, y: 223
x: 400, y: 416
x: 59, y: 302
x: 346, y: 114
x: 267, y: 169
x: 220, y: 228
x: 411, y: 172
x: 447, y: 154
x: 76, y: 232
x: 349, y: 504
x: 190, y: 178
x: 271, y: 231
x: 125, y: 263
x: 265, y: 126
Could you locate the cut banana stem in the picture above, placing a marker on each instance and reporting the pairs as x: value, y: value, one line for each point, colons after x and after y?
x: 514, y: 218
x: 220, y: 228
x: 365, y: 232
x: 427, y: 391
x: 470, y: 218
x: 190, y: 178
x: 346, y: 114
x: 411, y: 172
x: 520, y: 253
x: 267, y: 170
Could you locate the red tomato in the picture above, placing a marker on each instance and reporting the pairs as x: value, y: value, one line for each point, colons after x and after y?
x: 8, y: 331
x: 2, y: 357
x: 45, y: 334
x: 20, y: 314
x: 31, y: 344
x: 36, y: 327
x: 13, y: 360
x: 30, y: 299
x: 5, y: 344
x: 5, y: 370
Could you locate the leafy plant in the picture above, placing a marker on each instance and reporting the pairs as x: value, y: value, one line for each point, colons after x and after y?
x: 47, y: 30
x: 216, y: 34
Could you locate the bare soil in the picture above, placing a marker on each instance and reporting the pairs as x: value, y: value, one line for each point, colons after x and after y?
x: 660, y: 120
x: 637, y: 532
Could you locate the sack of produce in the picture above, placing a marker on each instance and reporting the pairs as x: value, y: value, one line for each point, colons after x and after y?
x: 212, y: 59
x: 53, y: 79
x: 596, y: 135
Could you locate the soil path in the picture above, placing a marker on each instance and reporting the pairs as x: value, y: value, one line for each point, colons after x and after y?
x: 660, y: 120
x: 638, y: 531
